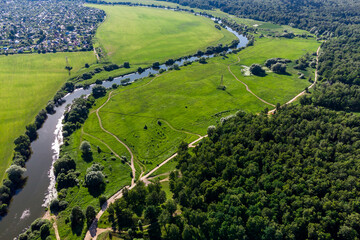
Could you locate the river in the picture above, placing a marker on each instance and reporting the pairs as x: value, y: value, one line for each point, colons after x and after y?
x: 28, y: 204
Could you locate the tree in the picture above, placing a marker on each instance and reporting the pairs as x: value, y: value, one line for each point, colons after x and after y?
x: 87, y: 65
x: 31, y: 131
x: 278, y: 106
x: 173, y: 232
x: 44, y: 231
x: 126, y: 65
x: 77, y: 217
x: 15, y: 173
x: 63, y: 165
x: 54, y: 205
x: 94, y: 180
x: 347, y: 233
x: 22, y: 145
x: 98, y: 91
x: 90, y: 214
x: 257, y: 70
x: 211, y: 130
x: 279, y: 68
x: 202, y: 60
x: 156, y: 65
x: 85, y: 148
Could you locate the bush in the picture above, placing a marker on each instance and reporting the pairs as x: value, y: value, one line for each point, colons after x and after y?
x: 99, y: 91
x: 54, y: 206
x: 94, y: 180
x: 77, y: 217
x: 257, y: 70
x: 126, y: 65
x: 38, y: 223
x: 90, y: 214
x: 156, y: 65
x: 63, y: 165
x: 102, y: 200
x: 202, y: 60
x: 15, y: 173
x: 279, y: 68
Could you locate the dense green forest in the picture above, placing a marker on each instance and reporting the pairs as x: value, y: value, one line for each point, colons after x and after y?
x: 291, y: 176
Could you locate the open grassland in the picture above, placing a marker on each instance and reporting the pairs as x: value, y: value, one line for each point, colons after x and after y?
x: 141, y: 35
x: 178, y: 105
x: 153, y: 120
x: 28, y: 82
x: 276, y: 88
x: 263, y: 27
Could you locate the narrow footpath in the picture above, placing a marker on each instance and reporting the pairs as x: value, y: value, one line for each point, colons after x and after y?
x: 94, y: 231
x: 247, y: 87
x: 311, y: 86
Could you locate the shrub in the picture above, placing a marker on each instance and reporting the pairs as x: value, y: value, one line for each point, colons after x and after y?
x: 102, y: 200
x: 94, y: 180
x: 15, y: 173
x: 98, y: 91
x: 257, y: 70
x: 279, y: 68
x: 77, y: 217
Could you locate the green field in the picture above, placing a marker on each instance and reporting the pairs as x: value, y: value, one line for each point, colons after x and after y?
x: 189, y: 100
x: 28, y: 82
x: 263, y: 27
x: 141, y: 35
x: 276, y: 88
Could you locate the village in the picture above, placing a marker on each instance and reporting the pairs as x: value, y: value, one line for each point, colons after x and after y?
x: 47, y: 26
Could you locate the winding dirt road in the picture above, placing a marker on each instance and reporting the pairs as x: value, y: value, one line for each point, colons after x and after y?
x: 132, y: 165
x: 311, y: 86
x: 247, y: 87
x: 93, y: 231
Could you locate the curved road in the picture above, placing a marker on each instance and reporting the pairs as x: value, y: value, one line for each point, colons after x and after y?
x: 311, y: 86
x: 117, y: 139
x: 93, y: 231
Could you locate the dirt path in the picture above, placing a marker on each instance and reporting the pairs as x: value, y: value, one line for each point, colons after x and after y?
x: 177, y: 130
x: 97, y: 55
x: 50, y: 218
x: 93, y: 231
x: 132, y: 165
x: 311, y: 86
x: 247, y: 87
x: 145, y: 178
x: 98, y: 139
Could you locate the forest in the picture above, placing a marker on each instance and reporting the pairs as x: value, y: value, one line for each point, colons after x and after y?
x: 291, y: 176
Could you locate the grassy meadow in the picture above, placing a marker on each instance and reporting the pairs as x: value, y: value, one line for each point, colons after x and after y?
x: 28, y: 82
x: 155, y: 114
x: 263, y: 27
x: 141, y: 35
